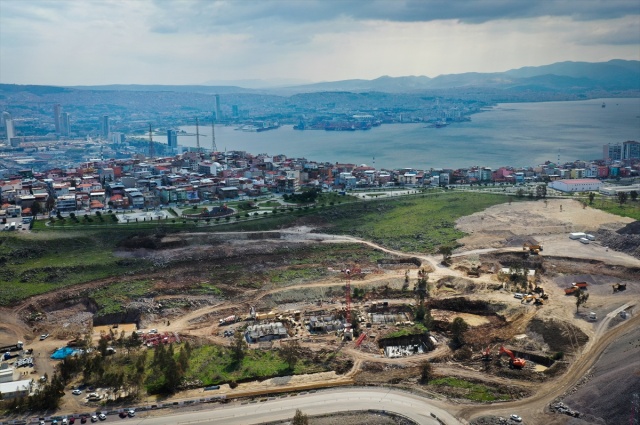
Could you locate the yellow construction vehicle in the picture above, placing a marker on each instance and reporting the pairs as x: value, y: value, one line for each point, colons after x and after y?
x: 527, y: 298
x: 533, y: 249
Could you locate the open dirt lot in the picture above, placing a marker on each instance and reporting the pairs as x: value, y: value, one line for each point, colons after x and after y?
x: 495, y: 226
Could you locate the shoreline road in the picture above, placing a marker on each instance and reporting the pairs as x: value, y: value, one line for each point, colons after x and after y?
x: 409, y: 405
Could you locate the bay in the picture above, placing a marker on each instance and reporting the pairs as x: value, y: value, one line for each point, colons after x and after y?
x: 514, y: 134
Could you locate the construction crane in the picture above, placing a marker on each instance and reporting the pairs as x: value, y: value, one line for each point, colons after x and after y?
x: 150, y: 142
x: 214, y: 148
x: 348, y: 333
x: 515, y: 361
x: 197, y: 137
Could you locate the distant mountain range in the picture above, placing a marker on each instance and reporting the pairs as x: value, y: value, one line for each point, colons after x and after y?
x: 564, y: 76
x: 573, y: 78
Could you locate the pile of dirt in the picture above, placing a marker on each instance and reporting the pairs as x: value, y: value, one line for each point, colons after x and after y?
x: 558, y: 335
x: 465, y: 305
x: 625, y: 240
x: 458, y: 284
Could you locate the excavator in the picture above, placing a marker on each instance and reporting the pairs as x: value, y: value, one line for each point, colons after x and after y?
x: 515, y: 361
x: 486, y: 354
x: 533, y: 249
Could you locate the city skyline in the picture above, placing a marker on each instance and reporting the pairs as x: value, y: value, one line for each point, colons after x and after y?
x: 218, y: 42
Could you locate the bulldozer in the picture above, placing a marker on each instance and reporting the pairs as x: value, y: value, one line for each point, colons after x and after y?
x: 533, y: 249
x: 515, y: 362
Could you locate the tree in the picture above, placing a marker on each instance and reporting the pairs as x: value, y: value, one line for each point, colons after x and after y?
x: 591, y: 197
x: 300, y: 418
x: 238, y: 346
x: 622, y: 197
x: 446, y: 252
x: 458, y: 328
x: 581, y: 298
x: 634, y: 195
x: 426, y: 372
x: 290, y: 352
x: 520, y: 193
x: 36, y: 209
x: 541, y: 191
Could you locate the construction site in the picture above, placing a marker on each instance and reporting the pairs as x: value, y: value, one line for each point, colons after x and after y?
x: 538, y: 311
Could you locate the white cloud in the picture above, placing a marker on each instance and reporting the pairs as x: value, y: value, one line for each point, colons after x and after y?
x: 69, y: 42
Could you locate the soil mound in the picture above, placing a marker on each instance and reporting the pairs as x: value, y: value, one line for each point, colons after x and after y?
x: 559, y: 336
x: 625, y: 240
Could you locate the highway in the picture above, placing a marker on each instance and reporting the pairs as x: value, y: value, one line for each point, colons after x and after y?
x: 412, y: 406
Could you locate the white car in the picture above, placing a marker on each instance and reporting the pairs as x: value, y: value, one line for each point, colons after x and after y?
x: 43, y: 337
x: 76, y: 392
x: 131, y: 413
x: 102, y: 416
x: 94, y: 418
x: 516, y: 418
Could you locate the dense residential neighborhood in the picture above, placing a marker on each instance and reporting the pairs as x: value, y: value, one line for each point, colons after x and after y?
x: 193, y: 177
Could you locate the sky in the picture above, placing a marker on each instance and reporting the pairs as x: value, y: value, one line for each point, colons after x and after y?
x: 97, y: 42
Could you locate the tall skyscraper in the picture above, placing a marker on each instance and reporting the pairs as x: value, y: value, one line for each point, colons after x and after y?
x: 172, y: 139
x: 57, y: 118
x: 631, y: 150
x: 106, y: 127
x: 65, y: 129
x: 234, y: 109
x: 218, y: 111
x: 4, y: 117
x: 612, y: 152
x: 10, y: 130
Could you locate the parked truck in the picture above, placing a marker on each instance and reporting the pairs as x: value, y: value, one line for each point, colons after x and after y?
x: 228, y: 320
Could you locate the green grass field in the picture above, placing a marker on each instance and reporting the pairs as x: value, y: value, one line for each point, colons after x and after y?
x: 629, y: 209
x: 213, y: 365
x: 37, y: 263
x: 414, y: 224
x: 471, y: 391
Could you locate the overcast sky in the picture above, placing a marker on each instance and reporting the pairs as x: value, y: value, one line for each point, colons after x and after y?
x: 86, y: 42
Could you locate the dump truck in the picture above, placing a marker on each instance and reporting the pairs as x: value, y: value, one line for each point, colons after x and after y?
x: 533, y: 249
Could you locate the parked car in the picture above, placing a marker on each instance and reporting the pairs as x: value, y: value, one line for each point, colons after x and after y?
x: 83, y: 419
x: 122, y: 414
x: 516, y: 418
x: 94, y: 418
x: 43, y: 337
x: 102, y: 416
x: 131, y: 413
x: 76, y: 392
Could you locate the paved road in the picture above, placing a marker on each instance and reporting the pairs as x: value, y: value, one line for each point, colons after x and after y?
x: 353, y: 399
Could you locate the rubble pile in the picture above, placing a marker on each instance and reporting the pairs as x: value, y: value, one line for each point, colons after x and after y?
x: 560, y: 407
x: 626, y: 239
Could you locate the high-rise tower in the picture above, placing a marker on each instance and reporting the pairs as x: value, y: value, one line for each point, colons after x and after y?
x: 105, y: 127
x: 57, y: 118
x: 65, y: 124
x: 218, y: 111
x: 172, y: 139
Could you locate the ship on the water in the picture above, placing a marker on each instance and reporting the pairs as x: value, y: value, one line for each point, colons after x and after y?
x: 259, y: 126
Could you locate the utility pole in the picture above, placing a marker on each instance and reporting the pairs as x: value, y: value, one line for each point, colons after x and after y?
x: 150, y: 142
x: 213, y: 136
x: 197, y: 138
